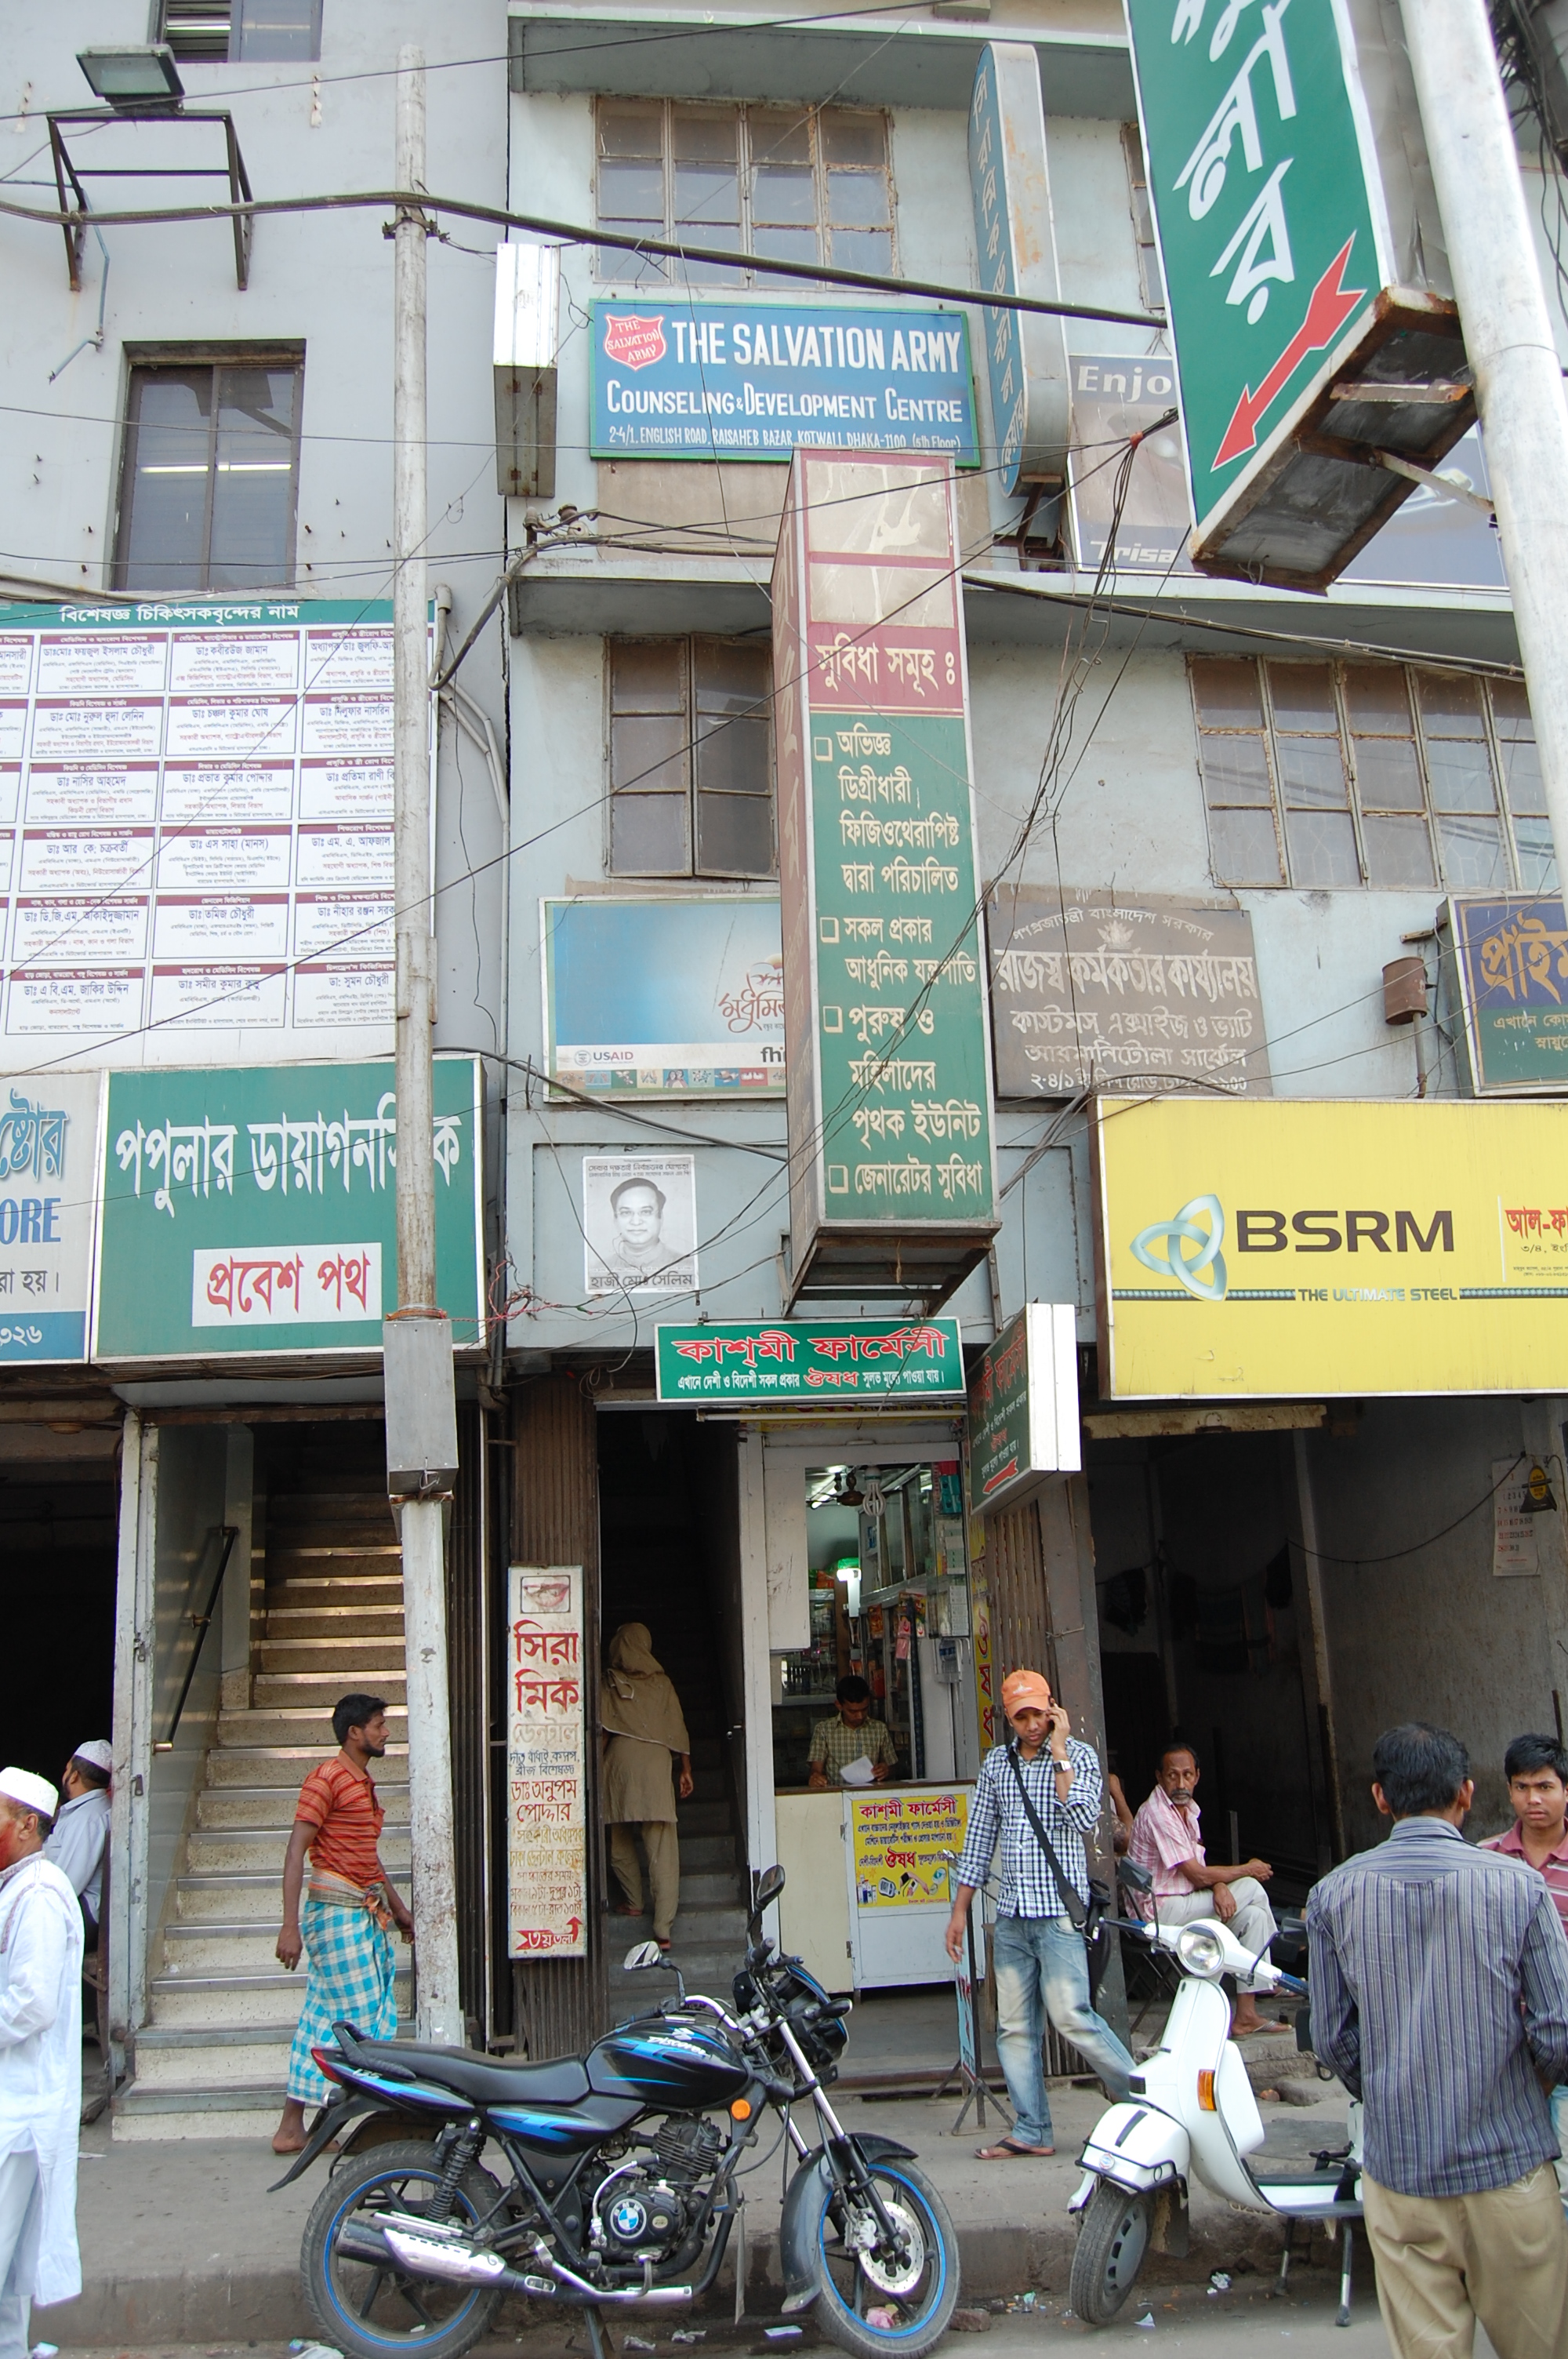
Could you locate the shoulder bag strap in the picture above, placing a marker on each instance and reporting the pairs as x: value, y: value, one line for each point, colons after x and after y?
x: 1077, y: 1915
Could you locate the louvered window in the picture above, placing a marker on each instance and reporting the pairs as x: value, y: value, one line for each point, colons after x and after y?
x: 254, y: 32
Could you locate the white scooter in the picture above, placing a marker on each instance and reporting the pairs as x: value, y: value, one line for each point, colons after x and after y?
x: 1193, y: 2113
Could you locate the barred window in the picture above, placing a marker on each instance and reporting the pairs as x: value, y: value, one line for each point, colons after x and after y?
x: 1337, y: 774
x: 691, y: 775
x: 254, y: 32
x: 798, y: 186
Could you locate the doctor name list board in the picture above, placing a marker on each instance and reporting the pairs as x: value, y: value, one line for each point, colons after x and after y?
x: 196, y: 811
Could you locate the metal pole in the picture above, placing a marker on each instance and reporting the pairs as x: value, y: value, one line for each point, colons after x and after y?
x: 439, y: 2016
x: 1509, y: 344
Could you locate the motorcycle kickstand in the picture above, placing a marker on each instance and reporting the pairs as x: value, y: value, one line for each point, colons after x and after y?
x: 599, y: 2343
x: 1277, y: 2290
x: 1344, y: 2317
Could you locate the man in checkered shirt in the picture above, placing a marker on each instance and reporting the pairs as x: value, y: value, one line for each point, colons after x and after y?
x: 1041, y: 1959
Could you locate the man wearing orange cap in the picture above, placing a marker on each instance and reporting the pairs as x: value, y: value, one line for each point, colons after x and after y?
x: 1041, y: 1962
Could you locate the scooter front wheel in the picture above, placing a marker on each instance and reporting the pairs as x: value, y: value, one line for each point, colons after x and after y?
x: 1112, y: 2240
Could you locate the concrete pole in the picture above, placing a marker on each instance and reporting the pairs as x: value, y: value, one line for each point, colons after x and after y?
x: 424, y: 1555
x: 1510, y: 345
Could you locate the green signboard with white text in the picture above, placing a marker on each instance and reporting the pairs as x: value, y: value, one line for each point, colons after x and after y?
x: 252, y: 1210
x: 812, y: 1362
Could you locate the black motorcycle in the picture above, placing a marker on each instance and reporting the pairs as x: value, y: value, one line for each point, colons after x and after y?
x: 620, y: 2191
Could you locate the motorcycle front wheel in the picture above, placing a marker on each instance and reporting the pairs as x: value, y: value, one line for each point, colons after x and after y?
x: 368, y: 2313
x: 1112, y: 2240
x: 872, y: 2308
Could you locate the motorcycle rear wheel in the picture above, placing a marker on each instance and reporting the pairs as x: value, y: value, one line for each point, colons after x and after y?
x: 370, y: 2313
x: 874, y: 2320
x: 1112, y: 2240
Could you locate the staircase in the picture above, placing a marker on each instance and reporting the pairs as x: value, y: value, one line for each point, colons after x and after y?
x: 212, y: 2059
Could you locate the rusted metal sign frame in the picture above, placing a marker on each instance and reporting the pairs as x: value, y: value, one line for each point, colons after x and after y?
x: 69, y: 178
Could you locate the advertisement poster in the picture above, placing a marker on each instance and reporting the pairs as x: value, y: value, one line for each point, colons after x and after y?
x: 546, y: 1821
x: 49, y: 1204
x: 898, y: 1841
x: 638, y: 1224
x: 758, y: 380
x: 1514, y: 1546
x: 252, y: 1210
x: 1290, y: 1249
x: 1511, y: 953
x: 1112, y: 990
x: 664, y: 997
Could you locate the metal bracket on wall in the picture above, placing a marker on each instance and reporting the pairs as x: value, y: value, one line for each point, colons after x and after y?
x: 70, y: 176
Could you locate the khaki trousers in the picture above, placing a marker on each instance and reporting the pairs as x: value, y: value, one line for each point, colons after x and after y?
x: 662, y: 1843
x: 1446, y: 2261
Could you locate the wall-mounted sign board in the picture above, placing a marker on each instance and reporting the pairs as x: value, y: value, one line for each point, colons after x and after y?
x: 661, y: 997
x: 1023, y: 1405
x: 1511, y: 954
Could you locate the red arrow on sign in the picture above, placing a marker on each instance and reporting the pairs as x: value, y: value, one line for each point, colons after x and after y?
x: 1330, y: 307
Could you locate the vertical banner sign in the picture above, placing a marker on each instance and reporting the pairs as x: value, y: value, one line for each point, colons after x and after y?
x: 1268, y: 196
x: 1026, y: 356
x: 1023, y: 1404
x: 49, y: 1202
x: 892, y: 1171
x: 547, y: 1825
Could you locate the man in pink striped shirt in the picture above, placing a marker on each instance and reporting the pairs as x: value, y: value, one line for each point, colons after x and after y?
x: 1167, y: 1840
x: 1537, y: 1770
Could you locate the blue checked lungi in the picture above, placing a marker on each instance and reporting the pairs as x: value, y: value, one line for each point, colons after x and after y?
x: 349, y: 1968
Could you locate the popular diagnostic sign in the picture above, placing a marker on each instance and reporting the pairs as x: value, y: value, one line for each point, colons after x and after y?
x: 546, y: 1820
x: 196, y: 827
x: 48, y: 1202
x: 1101, y: 990
x: 889, y: 1099
x: 811, y: 1360
x: 1023, y: 1404
x: 663, y: 998
x: 252, y: 1210
x: 737, y: 381
x: 1511, y: 956
x: 897, y: 1842
x: 1292, y: 1247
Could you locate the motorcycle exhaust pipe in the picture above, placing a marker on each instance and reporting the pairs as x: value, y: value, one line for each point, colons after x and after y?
x: 434, y: 2254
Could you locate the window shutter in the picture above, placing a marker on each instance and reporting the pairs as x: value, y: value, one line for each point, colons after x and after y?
x: 198, y: 31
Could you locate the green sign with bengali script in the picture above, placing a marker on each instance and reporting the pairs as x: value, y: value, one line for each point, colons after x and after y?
x: 812, y: 1361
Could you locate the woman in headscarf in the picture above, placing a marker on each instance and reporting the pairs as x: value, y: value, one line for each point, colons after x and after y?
x: 642, y: 1730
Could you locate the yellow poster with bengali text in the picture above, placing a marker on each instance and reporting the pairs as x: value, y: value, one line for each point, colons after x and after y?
x: 898, y: 1838
x: 1279, y: 1248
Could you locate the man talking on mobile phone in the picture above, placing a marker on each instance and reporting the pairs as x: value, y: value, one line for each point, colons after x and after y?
x: 1040, y: 1794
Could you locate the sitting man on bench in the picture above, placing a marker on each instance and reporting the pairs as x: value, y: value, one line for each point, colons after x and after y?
x: 1166, y: 1841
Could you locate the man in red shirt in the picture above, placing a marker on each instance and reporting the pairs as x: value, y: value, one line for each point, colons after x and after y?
x: 1537, y: 1770
x: 349, y: 1909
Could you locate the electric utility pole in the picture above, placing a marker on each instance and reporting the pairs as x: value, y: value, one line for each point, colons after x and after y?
x: 421, y: 1414
x: 1510, y: 345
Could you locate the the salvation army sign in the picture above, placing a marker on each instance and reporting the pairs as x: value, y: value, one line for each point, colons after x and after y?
x: 755, y: 381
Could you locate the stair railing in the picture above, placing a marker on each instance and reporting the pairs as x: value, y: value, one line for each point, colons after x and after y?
x: 228, y: 1534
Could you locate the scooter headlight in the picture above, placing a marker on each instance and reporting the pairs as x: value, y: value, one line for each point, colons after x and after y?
x: 1201, y: 1951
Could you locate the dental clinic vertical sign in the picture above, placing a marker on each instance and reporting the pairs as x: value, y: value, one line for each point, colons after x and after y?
x: 1269, y: 204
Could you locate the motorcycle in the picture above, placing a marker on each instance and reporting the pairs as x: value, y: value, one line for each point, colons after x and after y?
x: 617, y: 2187
x: 1192, y: 2111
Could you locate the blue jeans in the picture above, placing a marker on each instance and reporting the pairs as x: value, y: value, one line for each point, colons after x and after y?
x: 1043, y: 1968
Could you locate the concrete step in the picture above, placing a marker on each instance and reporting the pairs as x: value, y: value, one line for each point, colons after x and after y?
x: 257, y: 1997
x: 212, y: 2057
x: 250, y: 1895
x: 340, y: 1656
x: 272, y: 1691
x: 307, y: 1726
x: 703, y: 1818
x: 273, y: 1806
x: 221, y: 1851
x: 148, y: 2116
x: 291, y: 1623
x: 242, y: 1764
x: 700, y: 1890
x: 221, y: 1946
x: 710, y: 1853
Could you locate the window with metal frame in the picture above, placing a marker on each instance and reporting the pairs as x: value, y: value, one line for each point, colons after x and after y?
x: 255, y: 32
x: 1387, y: 775
x: 210, y: 475
x: 691, y: 774
x: 811, y: 185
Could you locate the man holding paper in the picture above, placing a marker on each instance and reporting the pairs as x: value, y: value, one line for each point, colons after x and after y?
x: 852, y: 1749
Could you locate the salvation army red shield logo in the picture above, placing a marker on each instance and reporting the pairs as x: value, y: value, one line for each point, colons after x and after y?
x: 632, y: 341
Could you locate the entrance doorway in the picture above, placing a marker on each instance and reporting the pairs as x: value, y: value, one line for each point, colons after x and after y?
x: 58, y: 1528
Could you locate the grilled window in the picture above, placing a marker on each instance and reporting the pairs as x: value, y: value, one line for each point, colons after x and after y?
x: 691, y: 784
x: 210, y: 475
x: 1332, y: 775
x: 798, y: 186
x: 209, y: 32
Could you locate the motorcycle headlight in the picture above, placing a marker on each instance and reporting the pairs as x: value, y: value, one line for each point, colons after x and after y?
x: 1201, y: 1951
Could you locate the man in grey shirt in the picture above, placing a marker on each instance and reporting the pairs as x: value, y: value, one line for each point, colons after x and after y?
x: 1440, y: 1996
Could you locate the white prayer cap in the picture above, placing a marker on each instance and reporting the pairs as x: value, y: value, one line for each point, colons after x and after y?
x: 33, y: 1793
x: 98, y: 1752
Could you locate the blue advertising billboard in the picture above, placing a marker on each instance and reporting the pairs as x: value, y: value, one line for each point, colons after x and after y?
x: 664, y: 998
x: 685, y: 379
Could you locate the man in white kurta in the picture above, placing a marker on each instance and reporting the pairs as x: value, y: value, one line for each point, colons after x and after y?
x: 40, y: 2062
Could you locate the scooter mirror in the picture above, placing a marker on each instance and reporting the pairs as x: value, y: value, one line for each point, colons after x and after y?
x: 640, y: 1955
x: 1136, y: 1878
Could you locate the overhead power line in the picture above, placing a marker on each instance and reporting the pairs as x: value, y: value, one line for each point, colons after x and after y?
x: 576, y: 234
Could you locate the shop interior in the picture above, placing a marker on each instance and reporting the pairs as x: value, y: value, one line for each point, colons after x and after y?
x: 57, y: 1527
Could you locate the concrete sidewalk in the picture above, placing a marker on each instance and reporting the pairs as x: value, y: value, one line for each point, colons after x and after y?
x: 180, y: 2243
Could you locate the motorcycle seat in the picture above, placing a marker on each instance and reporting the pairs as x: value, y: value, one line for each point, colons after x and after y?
x: 487, y: 2079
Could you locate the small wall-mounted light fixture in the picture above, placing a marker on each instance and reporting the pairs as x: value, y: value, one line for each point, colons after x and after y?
x: 1538, y: 1496
x: 140, y: 75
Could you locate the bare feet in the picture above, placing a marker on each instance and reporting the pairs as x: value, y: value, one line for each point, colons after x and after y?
x: 289, y: 2136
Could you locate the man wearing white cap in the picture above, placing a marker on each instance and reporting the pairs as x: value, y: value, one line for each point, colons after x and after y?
x: 81, y: 1833
x: 41, y: 2063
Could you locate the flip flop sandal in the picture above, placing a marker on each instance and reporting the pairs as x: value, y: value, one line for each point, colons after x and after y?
x: 1009, y: 2150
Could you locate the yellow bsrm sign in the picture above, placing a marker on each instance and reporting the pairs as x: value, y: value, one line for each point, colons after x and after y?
x: 1298, y: 1247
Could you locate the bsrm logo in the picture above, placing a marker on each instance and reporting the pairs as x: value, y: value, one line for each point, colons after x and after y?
x: 1188, y: 1248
